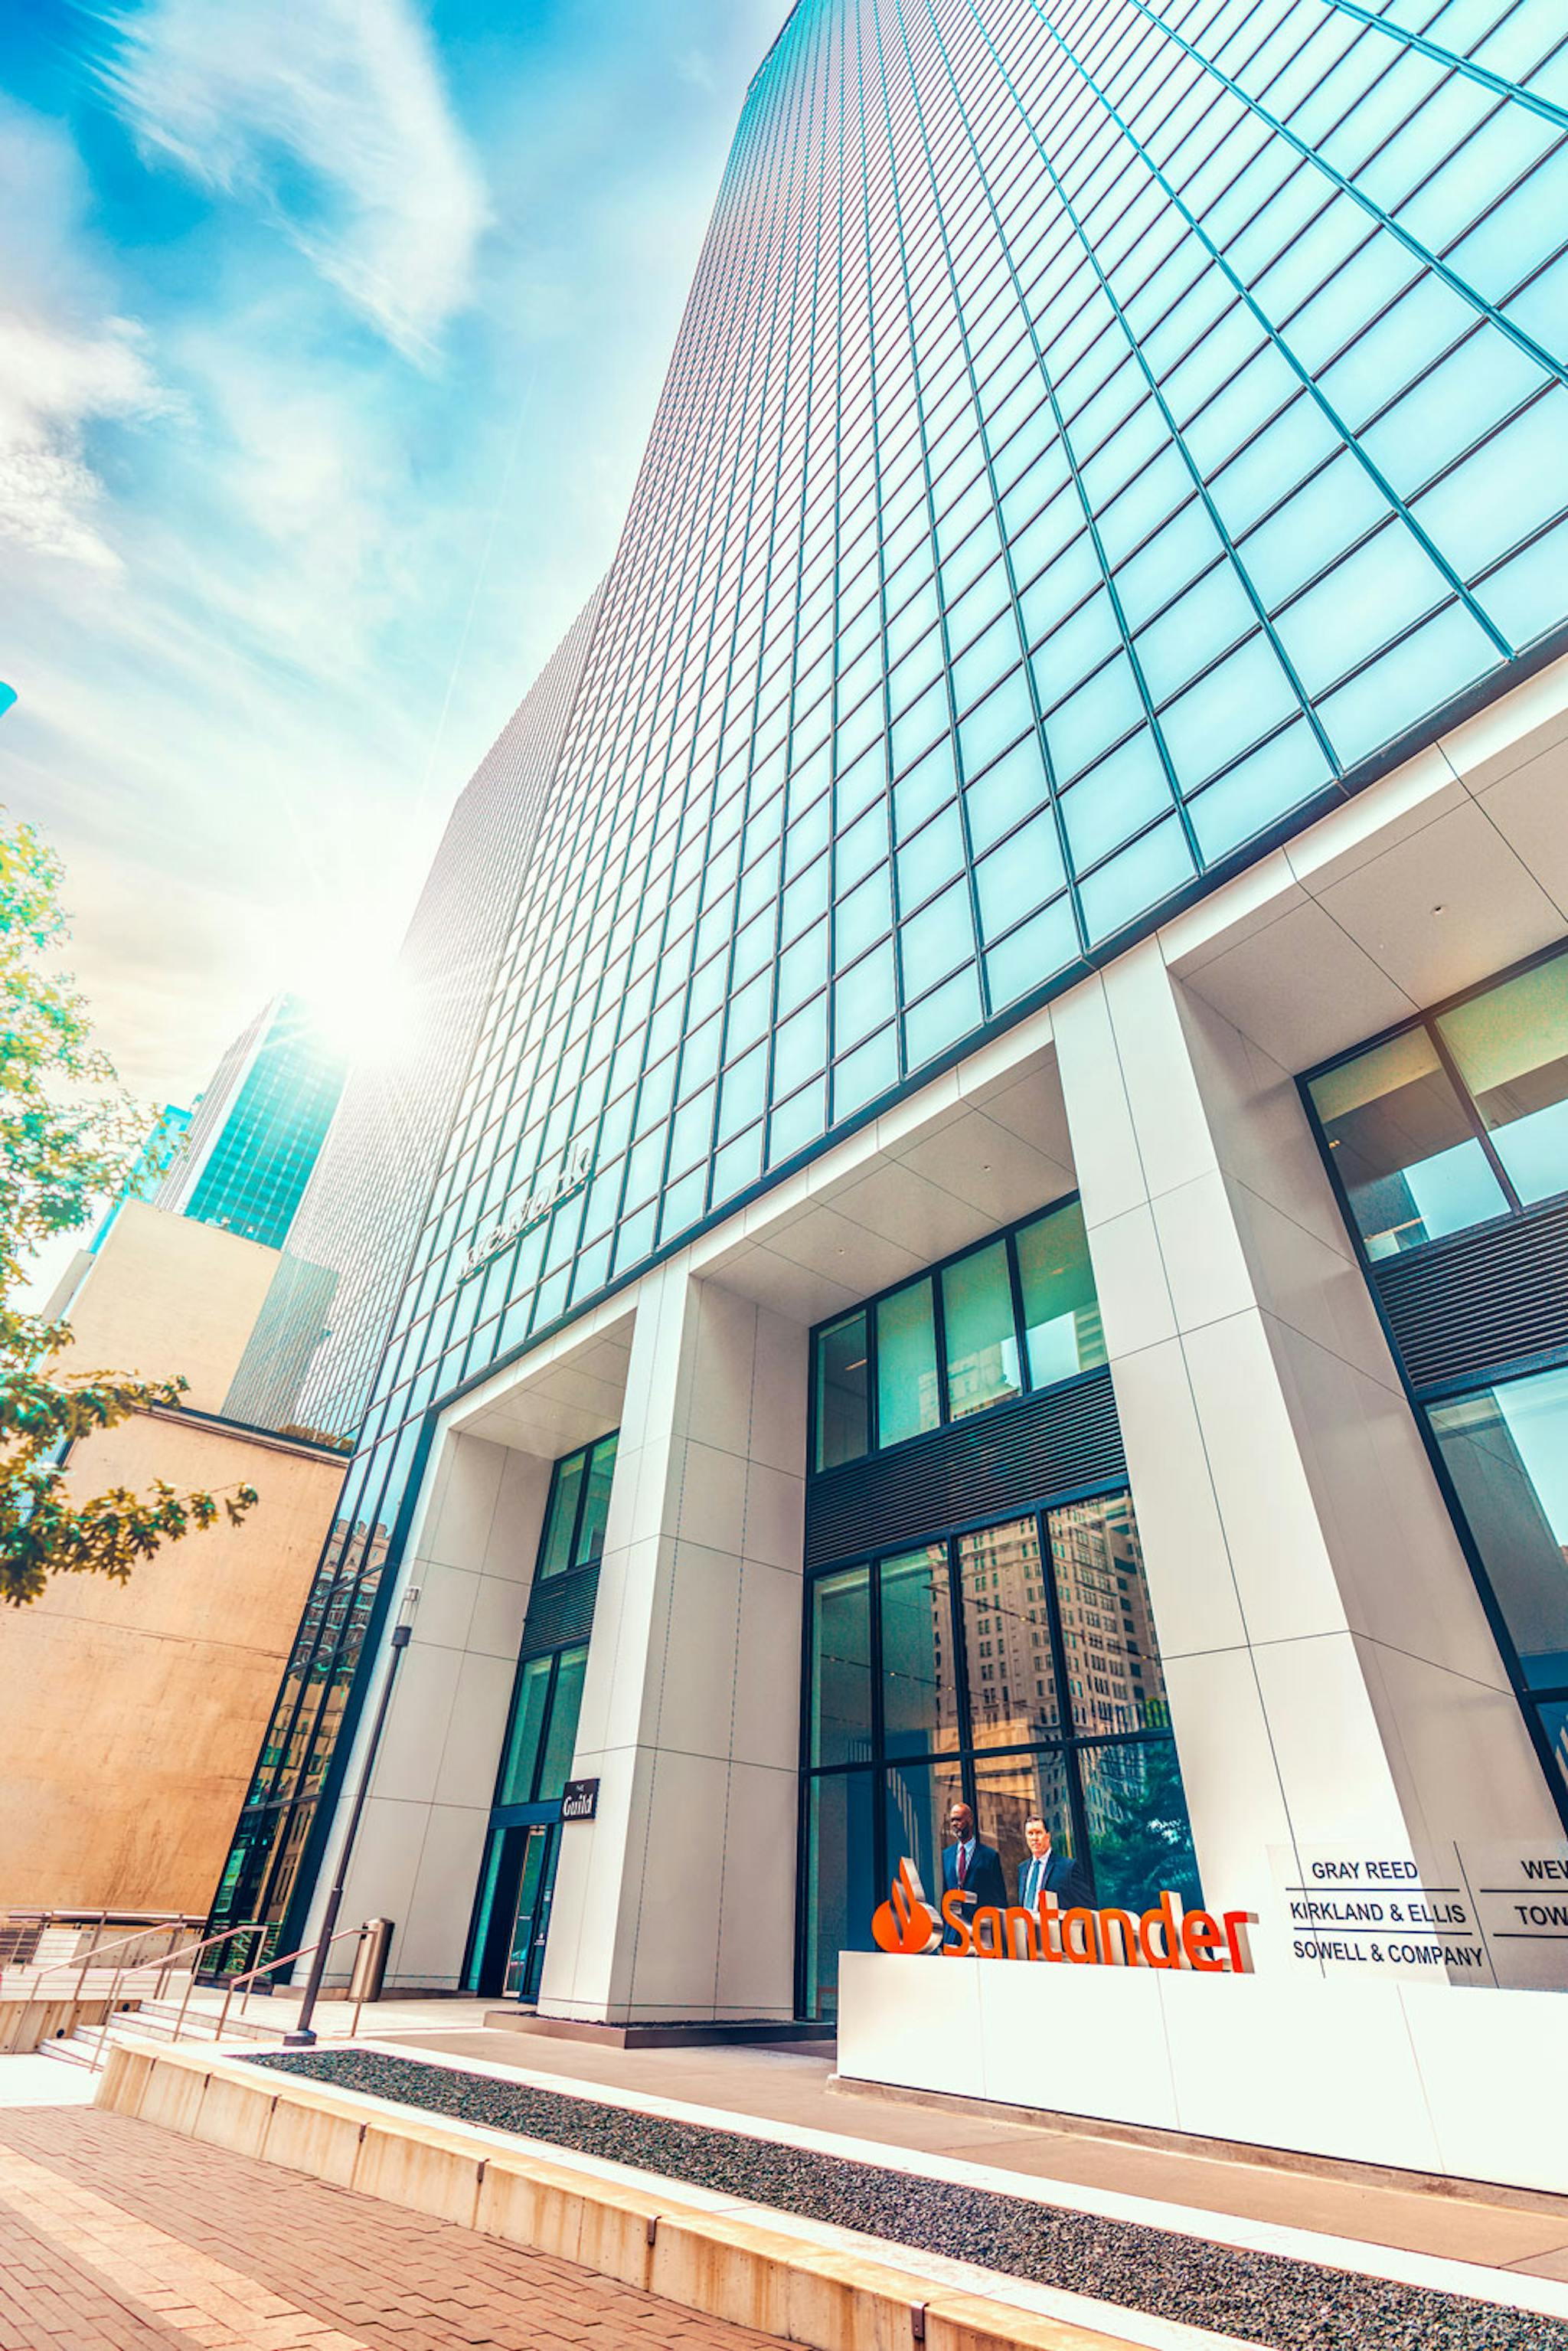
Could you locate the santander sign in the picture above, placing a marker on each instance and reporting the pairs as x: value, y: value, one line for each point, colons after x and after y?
x: 1164, y: 1936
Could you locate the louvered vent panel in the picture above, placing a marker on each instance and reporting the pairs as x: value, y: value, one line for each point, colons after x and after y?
x: 1468, y: 1305
x: 991, y: 1464
x: 559, y: 1611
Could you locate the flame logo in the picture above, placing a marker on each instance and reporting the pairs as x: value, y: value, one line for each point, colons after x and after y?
x: 905, y: 1924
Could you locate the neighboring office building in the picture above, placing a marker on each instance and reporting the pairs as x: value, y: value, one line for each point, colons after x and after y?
x: 254, y: 1134
x: 320, y: 1335
x: 1085, y: 652
x: 132, y: 1711
x: 148, y: 1169
x: 143, y: 1179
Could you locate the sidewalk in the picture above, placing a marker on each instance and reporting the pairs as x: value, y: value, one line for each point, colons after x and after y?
x: 117, y: 2236
x: 789, y: 2086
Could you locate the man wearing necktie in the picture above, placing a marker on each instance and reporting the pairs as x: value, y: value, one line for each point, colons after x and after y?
x: 1047, y: 1871
x: 974, y: 1868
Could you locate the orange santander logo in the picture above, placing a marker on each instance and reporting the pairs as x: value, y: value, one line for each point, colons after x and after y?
x: 1168, y: 1936
x: 905, y: 1924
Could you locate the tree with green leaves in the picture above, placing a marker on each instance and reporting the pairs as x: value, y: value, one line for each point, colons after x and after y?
x: 69, y: 1133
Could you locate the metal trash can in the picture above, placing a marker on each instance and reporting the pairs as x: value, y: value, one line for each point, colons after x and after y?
x: 370, y: 1960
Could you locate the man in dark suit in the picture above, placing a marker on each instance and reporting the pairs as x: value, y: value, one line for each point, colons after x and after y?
x: 1048, y: 1870
x: 974, y: 1868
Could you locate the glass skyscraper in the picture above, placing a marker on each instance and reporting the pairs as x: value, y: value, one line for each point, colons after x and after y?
x: 320, y: 1331
x: 1105, y: 442
x: 253, y: 1134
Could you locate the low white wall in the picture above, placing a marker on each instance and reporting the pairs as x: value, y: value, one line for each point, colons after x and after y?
x: 1429, y: 2077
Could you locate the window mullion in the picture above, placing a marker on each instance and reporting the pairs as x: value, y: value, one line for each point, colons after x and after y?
x: 1471, y: 1109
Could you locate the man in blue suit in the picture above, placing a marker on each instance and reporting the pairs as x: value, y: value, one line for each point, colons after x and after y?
x: 1048, y: 1871
x: 974, y: 1868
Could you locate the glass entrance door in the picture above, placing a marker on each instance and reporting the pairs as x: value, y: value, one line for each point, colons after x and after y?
x: 531, y: 1917
x: 508, y: 1954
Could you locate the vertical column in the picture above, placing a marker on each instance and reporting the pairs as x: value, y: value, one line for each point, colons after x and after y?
x: 679, y: 1901
x: 1331, y: 1675
x: 471, y: 1551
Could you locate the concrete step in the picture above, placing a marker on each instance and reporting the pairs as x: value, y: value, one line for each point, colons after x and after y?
x: 71, y: 2049
x: 159, y: 2020
x: 78, y: 2048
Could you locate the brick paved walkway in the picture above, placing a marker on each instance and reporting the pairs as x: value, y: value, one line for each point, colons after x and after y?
x: 117, y: 2236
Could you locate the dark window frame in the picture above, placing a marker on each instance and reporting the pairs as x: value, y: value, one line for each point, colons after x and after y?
x: 574, y: 1566
x: 1533, y: 1696
x: 1427, y: 1021
x: 1531, y: 1702
x: 932, y: 1274
x: 964, y: 1758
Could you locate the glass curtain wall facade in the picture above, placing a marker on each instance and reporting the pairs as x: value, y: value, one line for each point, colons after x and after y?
x: 253, y: 1137
x: 1099, y: 436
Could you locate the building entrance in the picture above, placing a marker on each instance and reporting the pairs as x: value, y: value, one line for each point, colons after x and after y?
x: 511, y: 1918
x: 512, y: 1960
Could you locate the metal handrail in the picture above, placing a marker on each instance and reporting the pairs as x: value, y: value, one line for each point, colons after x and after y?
x: 306, y: 1950
x: 190, y: 1952
x: 63, y: 1966
x: 247, y: 1926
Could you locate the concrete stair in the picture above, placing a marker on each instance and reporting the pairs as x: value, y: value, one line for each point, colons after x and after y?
x: 137, y: 2022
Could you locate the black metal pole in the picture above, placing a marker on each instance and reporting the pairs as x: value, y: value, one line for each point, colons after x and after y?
x: 302, y: 2037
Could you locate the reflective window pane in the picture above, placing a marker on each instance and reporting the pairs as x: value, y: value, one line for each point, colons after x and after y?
x: 527, y: 1721
x: 1062, y: 1330
x: 596, y: 1504
x: 1554, y: 1719
x: 1507, y: 1452
x: 1113, y: 1677
x: 1014, y: 1789
x: 560, y: 1739
x: 555, y: 1552
x: 483, y: 1914
x: 919, y: 1703
x: 908, y: 1395
x: 916, y: 1798
x: 1511, y: 1048
x: 981, y: 1339
x: 1139, y: 1842
x: 1006, y: 1635
x: 841, y: 1667
x: 1407, y: 1155
x: 841, y: 1392
x: 841, y: 1881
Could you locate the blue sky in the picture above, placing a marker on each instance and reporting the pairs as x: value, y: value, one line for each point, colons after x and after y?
x: 331, y: 332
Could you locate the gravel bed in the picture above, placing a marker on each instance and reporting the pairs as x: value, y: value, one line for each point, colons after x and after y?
x: 1261, y: 2298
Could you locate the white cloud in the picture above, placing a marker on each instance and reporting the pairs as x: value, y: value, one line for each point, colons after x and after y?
x: 332, y: 114
x: 67, y: 363
x: 55, y: 381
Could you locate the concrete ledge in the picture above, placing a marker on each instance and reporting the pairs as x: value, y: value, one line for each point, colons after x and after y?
x: 1245, y: 2154
x: 728, y: 2268
x: 654, y: 2036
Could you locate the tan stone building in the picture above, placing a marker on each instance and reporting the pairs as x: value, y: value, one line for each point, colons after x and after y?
x: 133, y: 1711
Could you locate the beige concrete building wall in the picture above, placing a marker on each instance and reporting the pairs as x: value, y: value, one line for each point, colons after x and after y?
x: 166, y: 1296
x: 133, y: 1711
